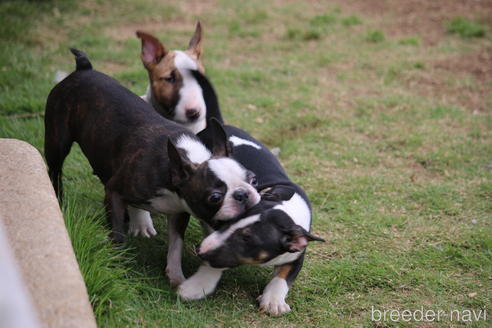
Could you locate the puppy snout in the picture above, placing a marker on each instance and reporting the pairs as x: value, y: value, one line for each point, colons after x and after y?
x: 241, y: 196
x: 200, y: 255
x: 192, y: 114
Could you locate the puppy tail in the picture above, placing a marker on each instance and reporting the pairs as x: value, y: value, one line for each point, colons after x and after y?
x: 81, y: 60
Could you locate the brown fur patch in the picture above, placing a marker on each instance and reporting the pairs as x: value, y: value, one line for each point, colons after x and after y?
x: 283, y: 271
x: 166, y: 93
x: 249, y: 260
x: 263, y: 255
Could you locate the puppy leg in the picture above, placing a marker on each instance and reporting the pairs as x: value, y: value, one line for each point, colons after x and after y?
x: 140, y: 223
x: 57, y: 144
x: 273, y: 298
x: 176, y: 227
x: 201, y: 284
x: 115, y: 214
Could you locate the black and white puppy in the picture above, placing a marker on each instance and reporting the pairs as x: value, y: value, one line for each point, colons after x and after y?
x: 275, y: 232
x: 146, y: 162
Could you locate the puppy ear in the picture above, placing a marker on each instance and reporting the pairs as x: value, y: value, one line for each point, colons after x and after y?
x: 221, y: 146
x: 180, y: 168
x: 282, y: 192
x: 152, y: 49
x: 195, y: 45
x: 298, y: 239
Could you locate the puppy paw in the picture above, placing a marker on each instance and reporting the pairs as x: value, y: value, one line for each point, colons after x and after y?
x: 190, y: 290
x: 144, y: 228
x: 274, y: 305
x: 201, y: 284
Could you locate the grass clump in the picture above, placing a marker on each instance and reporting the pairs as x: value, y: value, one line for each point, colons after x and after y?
x: 104, y: 267
x: 351, y: 20
x: 323, y: 20
x: 465, y: 28
x: 375, y: 36
x: 410, y: 41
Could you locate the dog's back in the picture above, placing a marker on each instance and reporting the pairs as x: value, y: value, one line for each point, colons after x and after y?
x: 94, y: 110
x: 247, y: 150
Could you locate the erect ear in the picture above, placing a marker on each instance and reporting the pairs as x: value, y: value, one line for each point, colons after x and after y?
x: 152, y: 49
x: 195, y: 45
x: 220, y: 146
x: 181, y: 168
x: 298, y: 238
x: 278, y: 193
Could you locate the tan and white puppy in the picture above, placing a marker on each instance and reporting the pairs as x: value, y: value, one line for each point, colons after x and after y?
x: 172, y: 90
x: 176, y: 95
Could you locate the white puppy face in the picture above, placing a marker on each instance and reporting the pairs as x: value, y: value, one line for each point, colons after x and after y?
x: 215, y: 188
x: 190, y: 110
x: 173, y: 91
x: 240, y: 194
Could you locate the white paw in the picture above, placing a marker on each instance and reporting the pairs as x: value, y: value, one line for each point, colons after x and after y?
x: 273, y: 304
x: 140, y: 223
x: 201, y: 284
x: 190, y: 290
x: 144, y: 230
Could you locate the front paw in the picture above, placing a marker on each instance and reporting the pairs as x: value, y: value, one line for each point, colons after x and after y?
x: 144, y: 230
x: 199, y: 285
x: 273, y: 304
x: 189, y: 290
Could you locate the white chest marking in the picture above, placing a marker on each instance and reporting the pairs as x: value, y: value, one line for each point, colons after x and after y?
x: 169, y: 203
x: 196, y: 152
x: 236, y: 141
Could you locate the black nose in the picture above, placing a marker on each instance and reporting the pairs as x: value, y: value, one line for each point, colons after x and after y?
x: 240, y: 195
x: 192, y: 114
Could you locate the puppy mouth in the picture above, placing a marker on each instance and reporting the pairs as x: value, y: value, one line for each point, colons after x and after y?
x: 253, y: 200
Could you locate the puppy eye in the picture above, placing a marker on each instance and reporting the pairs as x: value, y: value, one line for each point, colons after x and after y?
x: 215, y: 197
x: 252, y: 180
x: 170, y: 79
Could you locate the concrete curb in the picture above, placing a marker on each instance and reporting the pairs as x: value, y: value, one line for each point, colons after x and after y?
x: 36, y: 233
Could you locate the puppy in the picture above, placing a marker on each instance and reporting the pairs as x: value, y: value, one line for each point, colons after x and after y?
x: 146, y: 163
x: 275, y: 232
x: 172, y: 91
x: 247, y: 150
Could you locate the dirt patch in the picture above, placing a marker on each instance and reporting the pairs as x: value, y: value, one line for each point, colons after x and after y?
x: 419, y: 17
x: 192, y: 12
x: 127, y: 31
x: 478, y: 64
x: 458, y: 80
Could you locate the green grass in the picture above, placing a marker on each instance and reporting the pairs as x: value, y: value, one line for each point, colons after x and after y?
x: 465, y: 28
x: 388, y: 135
x: 375, y: 36
x: 105, y: 268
